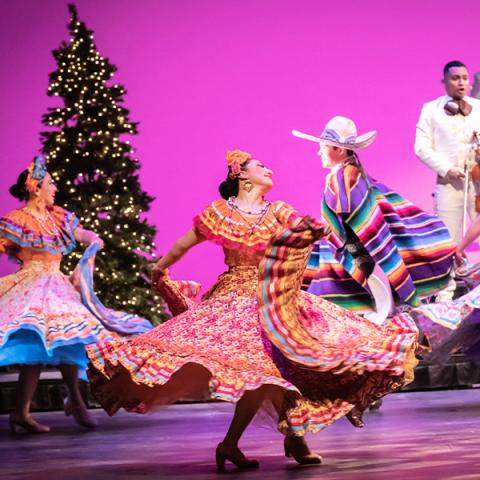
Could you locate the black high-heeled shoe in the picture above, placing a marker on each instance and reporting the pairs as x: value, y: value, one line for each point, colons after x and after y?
x: 234, y: 455
x: 354, y: 416
x: 297, y: 448
x: 28, y: 424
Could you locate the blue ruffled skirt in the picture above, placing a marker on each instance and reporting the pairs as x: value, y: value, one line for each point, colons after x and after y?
x: 43, y: 319
x: 27, y: 347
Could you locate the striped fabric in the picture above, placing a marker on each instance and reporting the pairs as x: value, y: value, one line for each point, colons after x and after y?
x: 21, y: 229
x: 450, y: 326
x: 115, y: 321
x: 413, y: 248
x: 327, y: 361
x: 318, y: 334
x: 327, y: 277
x: 451, y: 314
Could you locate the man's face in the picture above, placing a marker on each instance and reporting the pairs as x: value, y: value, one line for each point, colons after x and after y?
x: 456, y: 82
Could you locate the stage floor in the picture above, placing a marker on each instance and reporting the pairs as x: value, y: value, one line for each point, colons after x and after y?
x: 415, y: 436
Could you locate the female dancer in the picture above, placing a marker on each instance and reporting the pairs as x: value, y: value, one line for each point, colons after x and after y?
x: 42, y: 318
x: 255, y: 335
x: 448, y: 326
x: 384, y: 246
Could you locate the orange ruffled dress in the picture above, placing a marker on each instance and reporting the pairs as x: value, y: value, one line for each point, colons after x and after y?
x: 223, y: 346
x: 42, y: 318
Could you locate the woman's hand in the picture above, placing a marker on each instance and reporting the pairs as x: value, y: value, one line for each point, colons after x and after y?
x: 98, y: 240
x: 181, y: 246
x: 157, y: 273
x: 460, y: 257
x: 87, y: 237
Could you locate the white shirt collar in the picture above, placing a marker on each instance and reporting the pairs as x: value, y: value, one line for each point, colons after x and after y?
x: 448, y: 98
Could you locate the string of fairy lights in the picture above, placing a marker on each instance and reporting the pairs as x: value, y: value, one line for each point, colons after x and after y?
x: 95, y: 172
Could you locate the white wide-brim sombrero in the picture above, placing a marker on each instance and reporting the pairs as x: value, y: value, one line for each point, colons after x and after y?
x: 340, y: 132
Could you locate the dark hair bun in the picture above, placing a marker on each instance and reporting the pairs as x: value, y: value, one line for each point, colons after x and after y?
x: 228, y: 188
x: 18, y: 190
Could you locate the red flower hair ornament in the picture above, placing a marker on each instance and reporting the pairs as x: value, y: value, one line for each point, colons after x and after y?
x: 235, y: 159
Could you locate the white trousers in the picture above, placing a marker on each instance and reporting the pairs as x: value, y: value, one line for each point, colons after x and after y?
x: 448, y: 204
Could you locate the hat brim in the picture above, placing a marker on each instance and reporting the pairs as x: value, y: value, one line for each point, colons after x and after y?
x: 362, y: 141
x: 305, y: 136
x: 382, y: 298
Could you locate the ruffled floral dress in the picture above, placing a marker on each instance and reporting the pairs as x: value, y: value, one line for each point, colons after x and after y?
x: 42, y: 317
x: 450, y: 326
x: 255, y: 327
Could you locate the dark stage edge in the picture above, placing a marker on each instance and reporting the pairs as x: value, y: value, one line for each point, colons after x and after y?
x: 415, y: 436
x: 457, y: 372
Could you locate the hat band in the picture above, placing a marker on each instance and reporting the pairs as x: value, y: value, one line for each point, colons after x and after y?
x: 333, y: 136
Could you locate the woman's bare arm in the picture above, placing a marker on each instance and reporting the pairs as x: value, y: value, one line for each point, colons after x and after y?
x: 179, y: 249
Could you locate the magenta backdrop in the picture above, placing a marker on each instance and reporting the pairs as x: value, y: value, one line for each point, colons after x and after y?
x: 204, y: 76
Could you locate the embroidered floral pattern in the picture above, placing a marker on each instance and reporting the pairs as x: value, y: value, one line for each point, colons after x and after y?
x: 39, y: 298
x: 49, y: 305
x: 222, y: 335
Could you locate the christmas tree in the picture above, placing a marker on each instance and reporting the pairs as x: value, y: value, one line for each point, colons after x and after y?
x: 96, y: 176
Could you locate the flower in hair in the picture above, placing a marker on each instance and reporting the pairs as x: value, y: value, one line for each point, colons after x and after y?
x: 235, y: 168
x: 235, y: 159
x: 36, y: 173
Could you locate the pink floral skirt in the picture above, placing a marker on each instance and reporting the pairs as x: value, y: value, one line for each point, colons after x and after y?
x: 43, y: 320
x: 219, y: 348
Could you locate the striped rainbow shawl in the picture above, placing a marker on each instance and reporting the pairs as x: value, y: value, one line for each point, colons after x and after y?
x: 412, y: 247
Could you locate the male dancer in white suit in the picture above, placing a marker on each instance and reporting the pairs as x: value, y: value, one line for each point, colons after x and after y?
x: 445, y: 142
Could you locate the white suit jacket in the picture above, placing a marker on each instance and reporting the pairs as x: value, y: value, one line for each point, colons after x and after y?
x: 443, y: 141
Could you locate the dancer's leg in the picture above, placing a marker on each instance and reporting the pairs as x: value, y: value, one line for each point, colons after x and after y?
x: 75, y: 404
x: 70, y: 377
x: 27, y: 384
x: 245, y: 410
x: 294, y: 446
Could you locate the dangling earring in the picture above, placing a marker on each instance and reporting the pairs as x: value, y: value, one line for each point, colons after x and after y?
x: 247, y: 186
